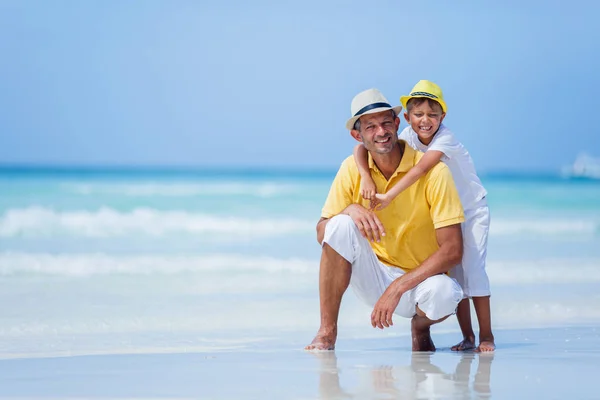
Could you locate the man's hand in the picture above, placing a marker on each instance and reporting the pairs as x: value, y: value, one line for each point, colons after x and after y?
x: 381, y: 317
x: 367, y: 222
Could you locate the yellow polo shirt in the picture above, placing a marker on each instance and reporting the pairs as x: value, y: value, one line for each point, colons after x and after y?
x: 411, y: 218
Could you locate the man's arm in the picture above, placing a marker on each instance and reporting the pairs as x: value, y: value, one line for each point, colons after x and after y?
x: 448, y: 255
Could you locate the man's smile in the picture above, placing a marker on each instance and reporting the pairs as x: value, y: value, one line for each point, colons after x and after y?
x: 385, y: 139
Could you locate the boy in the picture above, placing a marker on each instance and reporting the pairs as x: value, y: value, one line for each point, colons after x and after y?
x: 425, y: 110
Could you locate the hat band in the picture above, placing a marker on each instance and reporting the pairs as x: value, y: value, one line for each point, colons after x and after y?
x: 433, y: 96
x: 370, y: 107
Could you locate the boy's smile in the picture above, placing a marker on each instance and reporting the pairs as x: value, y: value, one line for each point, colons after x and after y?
x: 425, y: 120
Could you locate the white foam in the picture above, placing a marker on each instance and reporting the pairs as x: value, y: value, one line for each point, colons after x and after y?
x: 182, y: 189
x: 545, y: 227
x: 516, y: 272
x: 107, y: 222
x: 570, y: 270
x: 103, y: 264
x: 144, y: 303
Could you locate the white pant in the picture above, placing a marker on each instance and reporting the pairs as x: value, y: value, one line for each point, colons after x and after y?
x: 436, y: 296
x: 470, y: 273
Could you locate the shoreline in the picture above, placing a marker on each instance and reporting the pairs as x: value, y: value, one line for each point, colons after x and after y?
x: 276, y: 343
x: 527, y: 364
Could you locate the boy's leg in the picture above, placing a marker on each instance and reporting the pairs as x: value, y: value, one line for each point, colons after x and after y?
x: 484, y: 316
x: 474, y: 280
x: 463, y: 314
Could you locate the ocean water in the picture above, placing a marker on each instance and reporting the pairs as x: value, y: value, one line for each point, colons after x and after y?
x: 110, y: 261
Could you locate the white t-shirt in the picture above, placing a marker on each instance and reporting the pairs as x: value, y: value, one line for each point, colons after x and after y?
x: 457, y: 158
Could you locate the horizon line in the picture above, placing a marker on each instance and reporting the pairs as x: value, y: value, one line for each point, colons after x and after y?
x: 47, y: 167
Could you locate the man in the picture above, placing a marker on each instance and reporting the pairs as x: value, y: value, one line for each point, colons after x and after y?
x: 396, y: 258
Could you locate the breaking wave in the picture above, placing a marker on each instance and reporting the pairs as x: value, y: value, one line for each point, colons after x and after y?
x: 107, y: 222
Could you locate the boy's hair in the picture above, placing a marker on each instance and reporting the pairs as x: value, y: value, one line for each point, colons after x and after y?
x: 417, y: 101
x: 357, y: 123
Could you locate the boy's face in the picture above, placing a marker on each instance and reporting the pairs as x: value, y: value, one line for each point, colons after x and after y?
x: 425, y: 120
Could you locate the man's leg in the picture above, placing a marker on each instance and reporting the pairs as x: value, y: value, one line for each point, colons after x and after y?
x: 420, y: 330
x: 436, y: 299
x: 346, y: 258
x: 334, y: 278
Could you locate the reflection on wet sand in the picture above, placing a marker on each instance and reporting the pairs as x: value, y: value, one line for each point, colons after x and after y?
x: 420, y: 379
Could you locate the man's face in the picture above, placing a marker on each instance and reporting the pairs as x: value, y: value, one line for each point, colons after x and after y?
x: 378, y: 132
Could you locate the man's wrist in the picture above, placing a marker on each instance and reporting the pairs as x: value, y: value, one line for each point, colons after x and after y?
x: 396, y: 286
x: 346, y: 211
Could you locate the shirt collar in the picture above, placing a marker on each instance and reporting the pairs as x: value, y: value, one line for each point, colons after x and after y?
x: 408, y: 157
x: 405, y: 164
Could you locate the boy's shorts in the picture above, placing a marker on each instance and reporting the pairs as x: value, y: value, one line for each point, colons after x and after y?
x: 470, y: 273
x: 437, y: 296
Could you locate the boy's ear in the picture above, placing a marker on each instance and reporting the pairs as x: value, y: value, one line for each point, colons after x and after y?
x: 442, y: 117
x: 406, y: 117
x: 356, y: 135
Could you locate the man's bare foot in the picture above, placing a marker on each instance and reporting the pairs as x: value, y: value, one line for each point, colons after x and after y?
x: 486, y: 345
x: 324, y: 340
x: 466, y: 344
x: 421, y: 337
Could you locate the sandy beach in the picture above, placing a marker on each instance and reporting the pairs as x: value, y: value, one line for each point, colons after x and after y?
x: 548, y: 363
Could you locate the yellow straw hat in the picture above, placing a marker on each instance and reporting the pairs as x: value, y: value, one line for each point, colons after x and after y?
x: 428, y: 90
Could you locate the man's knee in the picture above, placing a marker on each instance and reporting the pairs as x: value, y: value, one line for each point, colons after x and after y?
x: 340, y: 225
x: 445, y: 289
x: 439, y: 296
x: 341, y: 236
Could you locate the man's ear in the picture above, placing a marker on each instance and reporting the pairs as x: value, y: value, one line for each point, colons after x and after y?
x: 397, y: 122
x: 356, y: 135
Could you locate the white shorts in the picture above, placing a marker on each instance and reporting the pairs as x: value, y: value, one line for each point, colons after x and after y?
x: 470, y: 273
x: 436, y: 296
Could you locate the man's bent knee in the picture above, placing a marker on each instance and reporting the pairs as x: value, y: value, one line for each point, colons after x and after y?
x: 339, y: 225
x: 439, y: 296
x: 341, y: 235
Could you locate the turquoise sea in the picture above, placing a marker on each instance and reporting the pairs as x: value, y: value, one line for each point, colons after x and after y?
x: 130, y: 260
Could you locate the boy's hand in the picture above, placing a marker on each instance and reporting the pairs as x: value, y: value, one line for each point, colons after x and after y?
x: 380, y: 202
x: 368, y: 190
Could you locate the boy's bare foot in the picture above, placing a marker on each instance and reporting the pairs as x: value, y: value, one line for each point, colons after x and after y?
x: 324, y: 340
x: 486, y: 345
x: 421, y: 337
x: 466, y: 344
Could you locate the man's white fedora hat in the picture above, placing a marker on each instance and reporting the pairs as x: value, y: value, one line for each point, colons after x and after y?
x: 370, y: 101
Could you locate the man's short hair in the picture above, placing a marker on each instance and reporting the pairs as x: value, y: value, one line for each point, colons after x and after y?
x: 357, y: 122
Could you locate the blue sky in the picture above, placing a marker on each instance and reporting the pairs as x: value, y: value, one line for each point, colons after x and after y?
x: 233, y: 83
